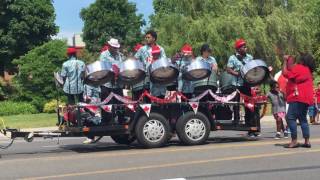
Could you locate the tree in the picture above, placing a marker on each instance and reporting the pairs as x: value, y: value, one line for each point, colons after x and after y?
x: 271, y: 28
x: 35, y: 82
x: 110, y: 18
x: 24, y: 24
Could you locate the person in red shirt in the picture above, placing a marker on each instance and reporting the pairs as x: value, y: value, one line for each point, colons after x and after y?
x: 299, y: 93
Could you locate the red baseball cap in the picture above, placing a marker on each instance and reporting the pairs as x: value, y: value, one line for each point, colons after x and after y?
x: 239, y: 43
x: 71, y: 50
x: 104, y: 48
x: 155, y: 49
x: 186, y: 49
x: 137, y: 47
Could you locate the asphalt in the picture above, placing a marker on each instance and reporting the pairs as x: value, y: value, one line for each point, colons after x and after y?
x: 226, y: 155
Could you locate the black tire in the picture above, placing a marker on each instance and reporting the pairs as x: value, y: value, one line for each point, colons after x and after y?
x: 203, y: 122
x: 123, y: 139
x: 163, y: 131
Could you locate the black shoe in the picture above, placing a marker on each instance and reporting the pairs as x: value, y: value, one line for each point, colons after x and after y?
x: 306, y: 145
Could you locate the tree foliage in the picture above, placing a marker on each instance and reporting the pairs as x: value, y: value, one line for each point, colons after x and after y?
x: 271, y: 28
x: 24, y: 24
x: 110, y: 18
x: 35, y: 82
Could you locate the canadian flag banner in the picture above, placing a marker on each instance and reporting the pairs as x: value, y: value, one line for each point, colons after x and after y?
x: 107, y: 108
x: 194, y: 106
x: 146, y: 108
x: 90, y: 107
x: 131, y: 107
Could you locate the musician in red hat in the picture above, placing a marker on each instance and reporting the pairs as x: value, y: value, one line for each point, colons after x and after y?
x: 234, y: 65
x: 185, y: 58
x: 156, y: 89
x: 145, y: 55
x: 73, y: 73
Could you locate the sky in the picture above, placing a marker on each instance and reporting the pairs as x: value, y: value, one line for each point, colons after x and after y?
x: 69, y: 21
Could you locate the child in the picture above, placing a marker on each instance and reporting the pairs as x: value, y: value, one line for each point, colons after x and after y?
x: 276, y: 98
x: 92, y: 95
x: 312, y: 112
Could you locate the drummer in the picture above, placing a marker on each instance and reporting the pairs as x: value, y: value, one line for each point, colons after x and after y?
x: 145, y: 55
x: 157, y: 90
x: 185, y: 86
x: 113, y: 56
x: 234, y: 65
x: 208, y: 83
x: 73, y: 73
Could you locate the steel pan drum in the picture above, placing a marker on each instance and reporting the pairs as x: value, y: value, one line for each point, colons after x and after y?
x: 131, y: 72
x: 98, y: 73
x: 226, y: 83
x: 254, y: 72
x: 162, y: 71
x: 197, y: 70
x: 58, y: 79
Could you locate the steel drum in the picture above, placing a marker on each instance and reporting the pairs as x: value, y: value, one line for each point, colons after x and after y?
x: 162, y: 71
x: 254, y: 72
x: 98, y: 73
x: 226, y: 83
x: 196, y: 70
x: 58, y: 79
x: 131, y: 72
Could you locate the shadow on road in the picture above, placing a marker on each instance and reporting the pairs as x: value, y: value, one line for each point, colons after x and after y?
x: 103, y: 146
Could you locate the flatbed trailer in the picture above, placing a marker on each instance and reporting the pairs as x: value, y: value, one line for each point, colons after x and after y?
x: 156, y: 128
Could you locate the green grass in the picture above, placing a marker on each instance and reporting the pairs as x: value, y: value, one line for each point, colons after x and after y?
x: 30, y: 120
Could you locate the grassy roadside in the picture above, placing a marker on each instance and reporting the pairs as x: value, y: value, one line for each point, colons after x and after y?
x: 30, y: 120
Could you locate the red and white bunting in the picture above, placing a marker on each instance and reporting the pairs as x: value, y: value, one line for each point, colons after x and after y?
x: 194, y: 106
x: 92, y: 108
x: 131, y: 107
x: 146, y: 108
x: 107, y: 108
x: 249, y: 105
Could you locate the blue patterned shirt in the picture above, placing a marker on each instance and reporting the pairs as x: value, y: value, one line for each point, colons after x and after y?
x: 114, y: 60
x: 72, y: 70
x: 184, y: 86
x: 92, y: 91
x: 212, y: 79
x: 235, y: 64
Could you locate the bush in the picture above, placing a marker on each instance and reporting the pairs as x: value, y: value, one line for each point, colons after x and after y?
x: 51, y: 106
x: 35, y: 82
x: 14, y: 108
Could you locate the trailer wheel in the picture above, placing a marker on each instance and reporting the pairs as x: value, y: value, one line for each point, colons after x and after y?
x: 123, y: 139
x: 193, y: 129
x: 152, y: 131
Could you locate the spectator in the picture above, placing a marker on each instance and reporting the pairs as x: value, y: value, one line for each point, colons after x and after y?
x: 299, y: 96
x: 276, y: 98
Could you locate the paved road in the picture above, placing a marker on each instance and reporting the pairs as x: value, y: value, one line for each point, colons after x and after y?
x: 227, y: 155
